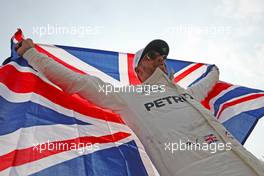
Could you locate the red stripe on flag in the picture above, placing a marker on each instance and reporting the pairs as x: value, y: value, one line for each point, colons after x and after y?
x: 18, y: 35
x: 241, y: 100
x: 187, y: 72
x: 216, y: 90
x: 40, y: 49
x: 25, y: 82
x: 133, y: 79
x: 27, y: 155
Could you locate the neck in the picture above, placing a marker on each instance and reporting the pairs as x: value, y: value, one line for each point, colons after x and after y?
x: 157, y: 77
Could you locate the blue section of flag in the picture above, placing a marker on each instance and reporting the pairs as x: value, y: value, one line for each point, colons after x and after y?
x: 106, y: 61
x: 115, y: 161
x: 14, y: 116
x: 176, y: 65
x: 241, y: 125
x: 15, y: 58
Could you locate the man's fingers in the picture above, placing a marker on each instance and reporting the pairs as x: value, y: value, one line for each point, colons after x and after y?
x: 24, y: 45
x: 30, y: 42
x: 18, y: 45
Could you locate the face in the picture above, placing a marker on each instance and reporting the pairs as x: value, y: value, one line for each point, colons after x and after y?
x: 148, y: 65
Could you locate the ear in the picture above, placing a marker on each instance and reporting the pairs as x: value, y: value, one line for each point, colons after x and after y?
x: 137, y: 70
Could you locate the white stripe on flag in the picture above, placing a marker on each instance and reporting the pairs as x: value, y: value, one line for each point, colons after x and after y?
x: 213, y: 100
x: 183, y: 70
x: 241, y: 107
x: 186, y: 81
x: 123, y: 68
x: 231, y: 100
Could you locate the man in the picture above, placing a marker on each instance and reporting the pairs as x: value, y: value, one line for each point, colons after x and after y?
x: 164, y: 116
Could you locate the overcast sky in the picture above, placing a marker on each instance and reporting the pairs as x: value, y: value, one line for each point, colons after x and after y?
x: 228, y: 33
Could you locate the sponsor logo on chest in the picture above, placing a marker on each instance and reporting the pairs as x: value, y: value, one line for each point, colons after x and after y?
x: 168, y: 100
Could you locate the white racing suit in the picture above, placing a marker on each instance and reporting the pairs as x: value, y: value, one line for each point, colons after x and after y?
x: 179, y: 135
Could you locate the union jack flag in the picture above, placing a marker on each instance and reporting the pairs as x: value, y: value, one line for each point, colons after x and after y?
x: 211, y: 138
x: 36, y: 114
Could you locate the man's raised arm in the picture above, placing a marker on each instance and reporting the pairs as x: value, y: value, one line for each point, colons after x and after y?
x: 86, y: 86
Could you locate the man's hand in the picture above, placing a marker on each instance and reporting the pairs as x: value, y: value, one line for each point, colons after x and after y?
x: 23, y: 46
